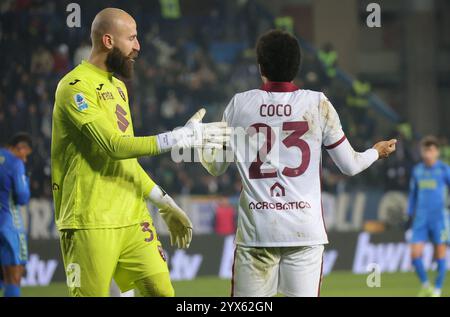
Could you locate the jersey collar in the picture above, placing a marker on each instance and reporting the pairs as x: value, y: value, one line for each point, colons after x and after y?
x: 96, y: 69
x: 278, y: 86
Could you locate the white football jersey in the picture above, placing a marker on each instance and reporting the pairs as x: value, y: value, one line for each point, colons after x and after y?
x: 280, y: 163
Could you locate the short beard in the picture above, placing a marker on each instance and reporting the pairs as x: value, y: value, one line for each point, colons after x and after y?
x: 120, y: 64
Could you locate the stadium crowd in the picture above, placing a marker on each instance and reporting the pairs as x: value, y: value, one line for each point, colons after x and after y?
x: 200, y: 58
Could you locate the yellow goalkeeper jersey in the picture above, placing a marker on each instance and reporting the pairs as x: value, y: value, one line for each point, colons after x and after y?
x: 90, y: 189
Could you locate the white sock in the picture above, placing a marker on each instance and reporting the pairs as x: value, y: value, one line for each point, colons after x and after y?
x: 426, y: 284
x: 437, y: 291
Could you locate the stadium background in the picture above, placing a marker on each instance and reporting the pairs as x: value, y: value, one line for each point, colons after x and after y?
x: 391, y: 81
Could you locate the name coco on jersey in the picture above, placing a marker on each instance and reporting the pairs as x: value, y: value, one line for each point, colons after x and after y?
x: 291, y: 205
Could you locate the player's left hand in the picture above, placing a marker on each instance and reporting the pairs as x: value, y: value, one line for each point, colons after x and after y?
x: 385, y: 148
x: 180, y: 227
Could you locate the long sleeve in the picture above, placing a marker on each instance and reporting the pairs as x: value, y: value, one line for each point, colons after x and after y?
x: 412, y: 197
x: 21, y: 185
x: 349, y: 161
x: 344, y: 156
x: 116, y: 145
x: 447, y: 176
x: 147, y: 183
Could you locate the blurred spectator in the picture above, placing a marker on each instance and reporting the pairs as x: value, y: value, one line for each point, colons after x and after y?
x: 33, y: 120
x: 4, y: 128
x: 170, y: 107
x: 82, y: 52
x: 41, y: 61
x: 61, y: 64
x: 225, y: 220
x: 46, y: 126
x: 328, y: 57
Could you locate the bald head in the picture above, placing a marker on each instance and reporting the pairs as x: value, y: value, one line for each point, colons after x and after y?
x: 112, y: 22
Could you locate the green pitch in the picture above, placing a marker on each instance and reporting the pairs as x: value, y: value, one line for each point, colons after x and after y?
x: 335, y: 284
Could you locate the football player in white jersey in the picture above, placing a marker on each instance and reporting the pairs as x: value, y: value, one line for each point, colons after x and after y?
x: 279, y: 133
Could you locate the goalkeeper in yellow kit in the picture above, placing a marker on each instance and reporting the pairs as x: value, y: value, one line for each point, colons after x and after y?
x: 99, y: 188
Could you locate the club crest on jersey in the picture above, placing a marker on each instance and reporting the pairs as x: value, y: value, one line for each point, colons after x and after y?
x: 80, y: 102
x: 121, y: 93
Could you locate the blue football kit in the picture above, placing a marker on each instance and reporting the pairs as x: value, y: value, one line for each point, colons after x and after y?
x: 14, y: 192
x: 427, y: 203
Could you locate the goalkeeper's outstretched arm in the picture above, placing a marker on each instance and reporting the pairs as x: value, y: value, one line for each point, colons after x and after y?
x: 81, y: 106
x: 119, y: 146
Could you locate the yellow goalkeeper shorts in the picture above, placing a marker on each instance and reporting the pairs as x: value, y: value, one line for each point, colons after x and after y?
x: 93, y: 257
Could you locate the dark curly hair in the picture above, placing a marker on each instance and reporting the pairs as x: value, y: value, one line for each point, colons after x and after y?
x: 279, y: 55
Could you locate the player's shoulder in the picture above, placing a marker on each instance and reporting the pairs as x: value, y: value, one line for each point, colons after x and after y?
x: 117, y: 82
x: 319, y: 101
x: 447, y: 168
x: 314, y: 98
x: 311, y: 93
x: 12, y: 161
x: 5, y: 156
x: 74, y: 80
x: 443, y: 166
x: 245, y: 95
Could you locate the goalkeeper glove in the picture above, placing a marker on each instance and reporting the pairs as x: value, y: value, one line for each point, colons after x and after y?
x: 196, y: 134
x: 180, y: 227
